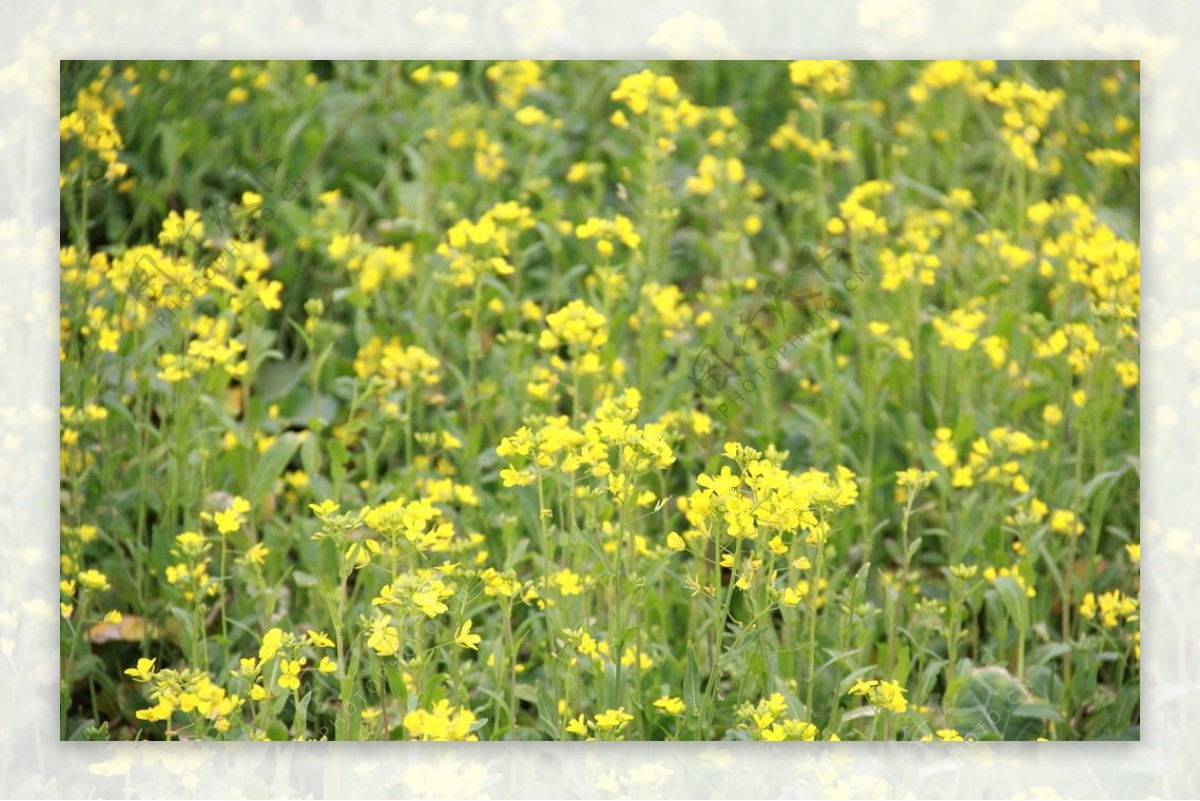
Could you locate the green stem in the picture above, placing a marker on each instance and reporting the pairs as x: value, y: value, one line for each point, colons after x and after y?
x: 707, y: 712
x: 814, y: 591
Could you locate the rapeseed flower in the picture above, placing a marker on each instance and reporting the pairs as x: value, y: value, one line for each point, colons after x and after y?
x: 887, y: 695
x: 93, y: 581
x: 464, y: 638
x: 1111, y: 607
x: 443, y: 722
x: 830, y: 78
x: 384, y: 639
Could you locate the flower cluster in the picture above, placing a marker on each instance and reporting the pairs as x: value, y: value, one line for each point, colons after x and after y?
x: 829, y: 78
x: 474, y: 248
x: 887, y: 695
x: 770, y: 721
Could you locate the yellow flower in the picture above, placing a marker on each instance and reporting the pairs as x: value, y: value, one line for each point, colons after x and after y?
x: 143, y: 672
x: 645, y: 91
x: 960, y: 330
x: 272, y: 641
x: 721, y: 485
x: 943, y: 449
x: 568, y: 582
x: 190, y: 542
x: 319, y: 639
x: 1064, y: 522
x: 1108, y: 157
x: 629, y: 656
x: 613, y: 719
x: 577, y: 172
x: 792, y: 596
x: 1111, y: 607
x: 324, y: 508
x: 945, y: 735
x: 230, y: 519
x: 531, y: 115
x: 1128, y: 372
x: 914, y: 478
x: 443, y: 722
x: 575, y: 324
x: 327, y: 665
x: 93, y: 580
x: 881, y: 694
x: 257, y: 555
x: 515, y: 478
x: 160, y: 711
x: 964, y: 572
x: 289, y: 678
x: 606, y: 232
x: 670, y: 705
x: 831, y: 78
x: 384, y: 639
x: 961, y: 198
x: 465, y: 638
x: 428, y: 601
x: 712, y: 172
x: 496, y: 583
x: 514, y: 79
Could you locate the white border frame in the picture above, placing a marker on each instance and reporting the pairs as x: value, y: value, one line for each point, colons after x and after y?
x: 34, y: 763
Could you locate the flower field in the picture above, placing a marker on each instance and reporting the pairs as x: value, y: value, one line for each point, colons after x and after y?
x: 600, y: 400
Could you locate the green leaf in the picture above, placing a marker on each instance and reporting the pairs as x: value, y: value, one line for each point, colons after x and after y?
x: 302, y: 708
x: 270, y: 466
x: 903, y: 663
x: 89, y: 731
x: 1038, y: 712
x: 310, y: 456
x: 277, y: 379
x: 1046, y: 683
x: 303, y: 579
x: 1101, y: 479
x: 929, y: 677
x: 1015, y: 601
x: 338, y: 457
x: 547, y: 708
x: 912, y: 548
x: 991, y: 704
x: 276, y: 731
x: 691, y: 679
